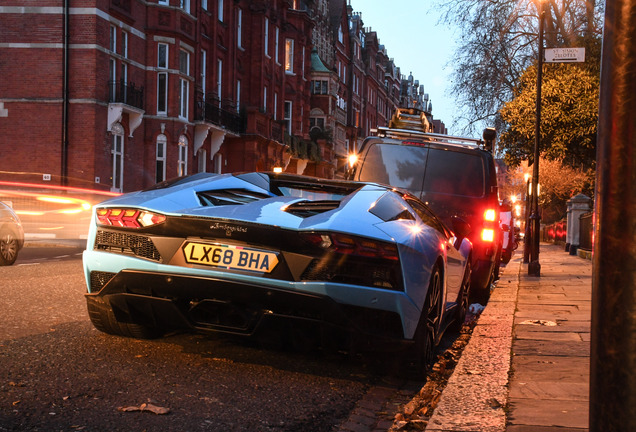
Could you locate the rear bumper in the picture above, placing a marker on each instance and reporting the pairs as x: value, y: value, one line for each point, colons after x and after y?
x: 182, y: 302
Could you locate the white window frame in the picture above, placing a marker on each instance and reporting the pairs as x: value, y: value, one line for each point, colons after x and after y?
x: 185, y: 5
x: 113, y: 39
x: 162, y: 86
x: 289, y: 56
x: 163, y: 64
x: 182, y: 161
x: 184, y: 97
x: 202, y: 156
x: 217, y: 163
x: 124, y: 44
x: 287, y: 115
x: 117, y: 151
x: 160, y: 158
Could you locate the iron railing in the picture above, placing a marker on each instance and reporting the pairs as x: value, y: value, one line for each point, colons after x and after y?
x: 124, y: 92
x: 220, y: 113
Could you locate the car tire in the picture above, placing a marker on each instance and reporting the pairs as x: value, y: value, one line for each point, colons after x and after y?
x: 462, y: 301
x: 103, y: 319
x: 425, y: 339
x: 8, y: 248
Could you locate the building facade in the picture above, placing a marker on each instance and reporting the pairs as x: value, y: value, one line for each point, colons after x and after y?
x: 120, y: 94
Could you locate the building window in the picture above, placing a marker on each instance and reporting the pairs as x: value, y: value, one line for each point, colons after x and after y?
x: 124, y: 44
x: 318, y: 122
x: 238, y: 95
x: 185, y: 5
x: 289, y: 56
x: 266, y: 37
x: 239, y: 23
x: 219, y: 79
x: 112, y: 76
x: 204, y: 4
x: 113, y: 39
x: 288, y: 116
x: 162, y: 93
x: 265, y: 99
x: 220, y: 10
x: 184, y: 92
x: 117, y: 152
x: 276, y: 35
x: 162, y: 56
x: 160, y: 167
x: 182, y: 162
x: 217, y: 163
x: 184, y: 62
x: 202, y: 156
x: 204, y: 69
x: 302, y: 69
x: 340, y: 34
x: 164, y: 2
x: 275, y: 106
x: 320, y: 87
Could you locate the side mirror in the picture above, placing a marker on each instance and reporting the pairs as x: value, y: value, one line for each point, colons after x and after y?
x: 461, y: 228
x: 489, y: 136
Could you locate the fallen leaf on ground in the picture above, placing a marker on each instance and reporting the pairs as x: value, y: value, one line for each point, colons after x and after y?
x: 145, y: 407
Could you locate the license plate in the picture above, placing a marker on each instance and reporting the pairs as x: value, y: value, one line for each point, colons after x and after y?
x: 229, y: 257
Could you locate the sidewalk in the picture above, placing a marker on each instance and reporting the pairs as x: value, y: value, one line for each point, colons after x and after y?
x: 526, y: 368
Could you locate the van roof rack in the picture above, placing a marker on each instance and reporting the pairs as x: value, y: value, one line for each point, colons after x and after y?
x: 387, y: 132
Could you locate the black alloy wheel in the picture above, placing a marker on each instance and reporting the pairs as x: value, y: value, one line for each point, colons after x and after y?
x: 429, y: 326
x: 463, y: 300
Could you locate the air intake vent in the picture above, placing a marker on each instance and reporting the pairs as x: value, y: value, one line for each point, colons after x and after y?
x: 127, y: 244
x: 99, y: 279
x: 229, y: 197
x: 305, y: 209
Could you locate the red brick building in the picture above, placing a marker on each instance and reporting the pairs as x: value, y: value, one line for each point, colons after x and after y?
x: 119, y: 94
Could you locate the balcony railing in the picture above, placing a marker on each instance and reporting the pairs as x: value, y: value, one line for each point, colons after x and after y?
x: 221, y: 114
x: 123, y: 92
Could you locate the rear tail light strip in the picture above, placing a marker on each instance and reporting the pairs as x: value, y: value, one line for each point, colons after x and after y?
x: 352, y: 245
x: 128, y: 218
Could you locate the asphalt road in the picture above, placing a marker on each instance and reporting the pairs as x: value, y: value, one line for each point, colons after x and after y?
x: 58, y: 373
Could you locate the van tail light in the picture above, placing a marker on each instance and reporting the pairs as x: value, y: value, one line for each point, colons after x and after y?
x: 490, y: 220
x: 127, y: 218
x: 488, y: 235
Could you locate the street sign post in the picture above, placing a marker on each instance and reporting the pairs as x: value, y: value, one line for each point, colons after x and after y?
x: 564, y: 55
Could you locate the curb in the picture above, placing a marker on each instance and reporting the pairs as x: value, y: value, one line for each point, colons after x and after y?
x: 476, y: 395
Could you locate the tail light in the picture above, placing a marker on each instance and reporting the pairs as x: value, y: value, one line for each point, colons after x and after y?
x: 488, y: 231
x: 128, y: 218
x: 352, y: 245
x: 343, y: 258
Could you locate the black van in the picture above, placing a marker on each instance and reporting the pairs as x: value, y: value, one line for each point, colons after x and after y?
x: 454, y: 176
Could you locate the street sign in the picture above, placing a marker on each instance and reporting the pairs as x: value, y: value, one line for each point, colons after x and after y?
x: 564, y: 55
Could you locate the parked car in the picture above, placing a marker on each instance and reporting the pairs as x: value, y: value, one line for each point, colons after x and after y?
x: 454, y: 176
x: 11, y: 235
x: 239, y: 253
x: 509, y: 232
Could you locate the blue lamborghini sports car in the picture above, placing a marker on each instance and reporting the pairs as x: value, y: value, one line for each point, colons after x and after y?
x: 236, y: 253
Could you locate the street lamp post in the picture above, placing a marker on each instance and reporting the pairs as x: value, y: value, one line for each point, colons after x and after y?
x: 534, y: 267
x: 527, y: 238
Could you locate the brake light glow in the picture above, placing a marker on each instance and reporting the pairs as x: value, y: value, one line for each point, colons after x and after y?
x: 488, y: 235
x: 490, y: 215
x: 128, y: 218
